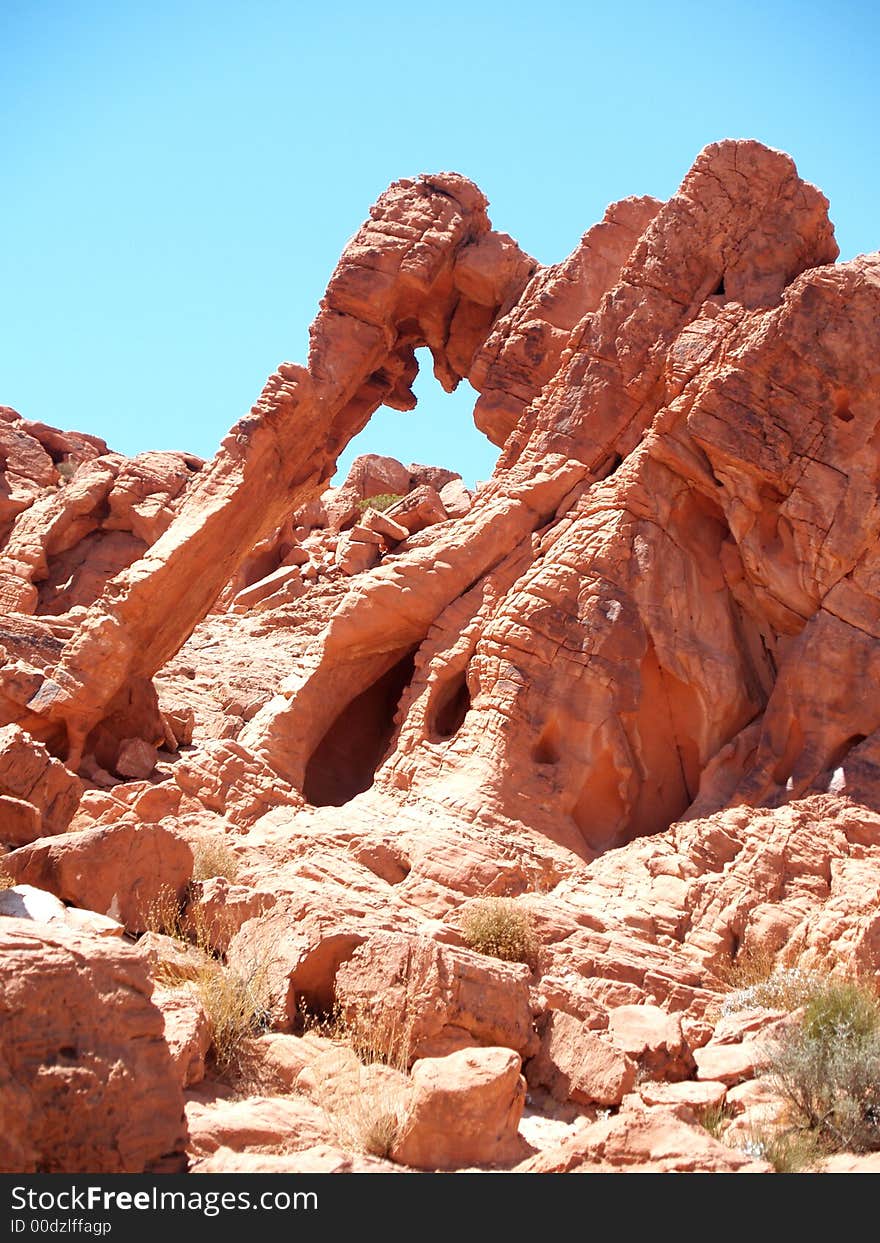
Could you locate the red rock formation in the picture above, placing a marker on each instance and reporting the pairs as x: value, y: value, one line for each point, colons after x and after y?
x: 90, y: 1086
x: 629, y: 683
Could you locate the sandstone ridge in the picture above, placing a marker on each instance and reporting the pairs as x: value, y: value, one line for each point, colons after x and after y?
x: 629, y: 681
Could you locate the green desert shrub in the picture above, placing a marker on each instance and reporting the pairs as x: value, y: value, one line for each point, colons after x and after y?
x: 383, y: 501
x: 501, y: 928
x: 826, y: 1067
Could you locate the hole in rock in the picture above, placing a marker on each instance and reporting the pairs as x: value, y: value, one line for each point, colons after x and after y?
x: 453, y: 704
x: 600, y: 810
x: 345, y: 760
x: 547, y: 747
x: 839, y: 754
x: 842, y: 410
x: 719, y: 291
x: 312, y: 987
x: 439, y: 432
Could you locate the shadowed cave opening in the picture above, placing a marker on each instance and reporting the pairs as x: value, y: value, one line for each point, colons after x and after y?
x: 453, y: 705
x: 344, y: 762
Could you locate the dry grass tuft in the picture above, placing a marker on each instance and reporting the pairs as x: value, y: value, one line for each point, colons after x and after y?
x: 751, y: 966
x: 6, y: 881
x: 212, y: 857
x: 236, y: 999
x: 713, y: 1118
x: 362, y: 1085
x: 501, y: 928
x: 237, y: 1002
x: 788, y: 1151
x: 165, y: 915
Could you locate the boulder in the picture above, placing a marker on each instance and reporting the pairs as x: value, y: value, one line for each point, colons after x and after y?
x: 25, y: 902
x: 574, y: 1063
x: 257, y: 1124
x: 419, y: 509
x: 730, y: 1063
x: 187, y: 1031
x: 84, y: 1045
x: 464, y: 1111
x: 29, y: 774
x: 423, y: 989
x: 136, y: 758
x: 20, y: 822
x: 660, y: 1140
x: 653, y: 1039
x: 120, y: 870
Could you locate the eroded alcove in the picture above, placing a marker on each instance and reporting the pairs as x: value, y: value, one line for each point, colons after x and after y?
x: 345, y: 760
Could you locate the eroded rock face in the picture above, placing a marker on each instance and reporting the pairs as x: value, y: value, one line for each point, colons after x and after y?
x: 89, y: 1085
x: 629, y: 682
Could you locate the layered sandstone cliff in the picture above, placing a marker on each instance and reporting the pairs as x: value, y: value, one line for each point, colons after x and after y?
x: 631, y: 679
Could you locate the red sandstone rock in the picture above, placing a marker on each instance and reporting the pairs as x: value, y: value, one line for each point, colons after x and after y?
x: 392, y: 532
x: 655, y: 629
x: 83, y: 1044
x: 136, y: 758
x: 258, y: 1124
x: 26, y: 902
x: 20, y: 822
x: 653, y: 1039
x: 419, y: 509
x: 427, y: 988
x: 187, y: 1032
x: 465, y: 1110
x: 120, y: 871
x: 698, y: 1096
x: 28, y: 773
x: 216, y: 910
x: 576, y: 1064
x: 660, y: 1140
x: 729, y: 1063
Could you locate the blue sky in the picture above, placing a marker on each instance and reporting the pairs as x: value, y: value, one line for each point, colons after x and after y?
x: 180, y: 177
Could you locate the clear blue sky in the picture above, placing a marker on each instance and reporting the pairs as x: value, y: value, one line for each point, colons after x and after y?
x: 180, y: 177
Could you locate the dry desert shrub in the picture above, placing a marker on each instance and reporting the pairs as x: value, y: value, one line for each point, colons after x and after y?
x: 788, y: 1151
x: 362, y: 1084
x: 236, y: 999
x: 786, y: 988
x: 751, y: 966
x: 501, y: 928
x: 212, y: 857
x: 237, y: 1002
